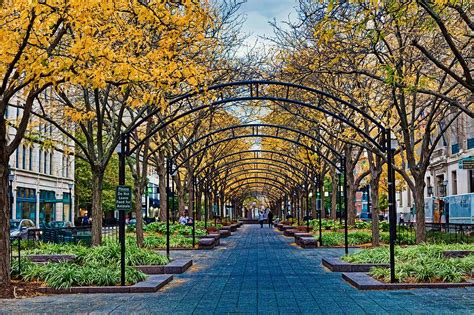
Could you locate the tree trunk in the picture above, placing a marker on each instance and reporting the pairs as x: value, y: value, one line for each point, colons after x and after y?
x: 321, y: 196
x: 351, y: 189
x: 138, y: 213
x: 191, y: 196
x: 334, y: 192
x: 180, y: 188
x: 419, y: 197
x: 97, y: 183
x: 198, y: 203
x: 5, y: 279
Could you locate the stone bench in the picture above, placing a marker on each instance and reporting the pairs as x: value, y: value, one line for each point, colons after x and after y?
x: 207, y: 243
x: 226, y: 227
x: 299, y: 235
x: 290, y: 232
x: 308, y: 242
x: 287, y: 227
x: 233, y: 227
x: 215, y: 236
x: 225, y: 233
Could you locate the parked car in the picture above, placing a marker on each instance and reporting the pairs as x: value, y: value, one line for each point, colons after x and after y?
x: 60, y: 224
x: 19, y: 228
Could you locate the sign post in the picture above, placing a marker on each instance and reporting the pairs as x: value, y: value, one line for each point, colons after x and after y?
x: 123, y: 203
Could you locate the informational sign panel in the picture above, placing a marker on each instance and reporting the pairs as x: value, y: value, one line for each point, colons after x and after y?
x: 123, y: 198
x: 467, y: 163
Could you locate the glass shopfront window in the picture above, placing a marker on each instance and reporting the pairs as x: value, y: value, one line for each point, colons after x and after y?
x: 26, y: 203
x: 66, y: 207
x: 47, y: 207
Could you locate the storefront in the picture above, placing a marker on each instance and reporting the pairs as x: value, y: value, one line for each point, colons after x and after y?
x: 26, y: 203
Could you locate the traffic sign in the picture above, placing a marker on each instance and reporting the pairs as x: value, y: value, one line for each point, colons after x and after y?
x: 123, y: 198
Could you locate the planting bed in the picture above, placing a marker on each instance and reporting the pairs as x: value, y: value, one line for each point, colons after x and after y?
x: 150, y: 284
x: 364, y: 281
x: 337, y: 265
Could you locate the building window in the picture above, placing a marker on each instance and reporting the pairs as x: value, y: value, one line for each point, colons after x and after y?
x: 40, y: 160
x: 17, y: 157
x: 67, y: 166
x: 45, y: 162
x: 471, y: 181
x: 30, y: 165
x: 454, y: 183
x: 25, y: 203
x: 50, y: 163
x: 23, y: 158
x: 455, y: 148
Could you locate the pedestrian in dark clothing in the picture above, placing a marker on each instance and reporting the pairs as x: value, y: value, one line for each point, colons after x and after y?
x: 261, y: 218
x: 270, y: 218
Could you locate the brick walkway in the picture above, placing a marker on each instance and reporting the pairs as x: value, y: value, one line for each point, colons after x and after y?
x: 257, y: 271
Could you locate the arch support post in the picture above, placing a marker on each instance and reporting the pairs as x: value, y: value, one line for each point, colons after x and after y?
x: 318, y: 209
x: 344, y: 191
x: 193, y: 204
x: 168, y: 204
x: 392, y: 211
x: 122, y: 157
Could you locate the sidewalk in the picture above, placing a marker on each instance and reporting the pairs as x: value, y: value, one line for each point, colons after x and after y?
x: 256, y: 271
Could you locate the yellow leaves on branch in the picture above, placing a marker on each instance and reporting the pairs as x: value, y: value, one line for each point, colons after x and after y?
x: 78, y: 116
x: 97, y: 42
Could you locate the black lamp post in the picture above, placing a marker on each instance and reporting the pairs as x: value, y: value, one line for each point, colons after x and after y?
x: 11, y: 178
x: 70, y: 185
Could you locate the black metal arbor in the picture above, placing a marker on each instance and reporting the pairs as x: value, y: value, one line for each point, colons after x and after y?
x: 290, y: 94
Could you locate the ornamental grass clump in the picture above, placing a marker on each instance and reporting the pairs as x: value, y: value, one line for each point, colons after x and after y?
x: 64, y: 275
x: 421, y: 263
x: 93, y: 266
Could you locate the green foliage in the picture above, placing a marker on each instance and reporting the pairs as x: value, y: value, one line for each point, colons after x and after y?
x: 65, y: 275
x: 159, y: 242
x: 83, y: 183
x: 106, y: 254
x: 421, y: 263
x: 175, y: 229
x: 361, y: 225
x: 98, y: 266
x: 353, y: 238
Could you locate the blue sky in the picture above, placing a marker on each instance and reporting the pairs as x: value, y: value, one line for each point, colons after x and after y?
x: 259, y: 12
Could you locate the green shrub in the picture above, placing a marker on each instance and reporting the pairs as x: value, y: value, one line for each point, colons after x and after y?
x: 420, y: 263
x: 65, y: 275
x: 361, y: 225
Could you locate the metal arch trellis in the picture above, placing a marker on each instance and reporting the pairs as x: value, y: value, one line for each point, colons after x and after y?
x: 259, y: 170
x: 264, y: 171
x: 256, y: 153
x: 262, y: 161
x: 250, y: 83
x: 385, y: 146
x: 255, y: 133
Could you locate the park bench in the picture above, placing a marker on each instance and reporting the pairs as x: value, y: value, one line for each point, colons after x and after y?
x: 207, y: 243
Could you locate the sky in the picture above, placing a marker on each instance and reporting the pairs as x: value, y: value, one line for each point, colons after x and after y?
x: 260, y: 12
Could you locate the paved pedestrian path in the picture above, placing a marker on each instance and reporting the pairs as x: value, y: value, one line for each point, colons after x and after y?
x: 256, y: 271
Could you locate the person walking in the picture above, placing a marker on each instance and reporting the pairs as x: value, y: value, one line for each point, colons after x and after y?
x: 270, y: 218
x: 261, y: 218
